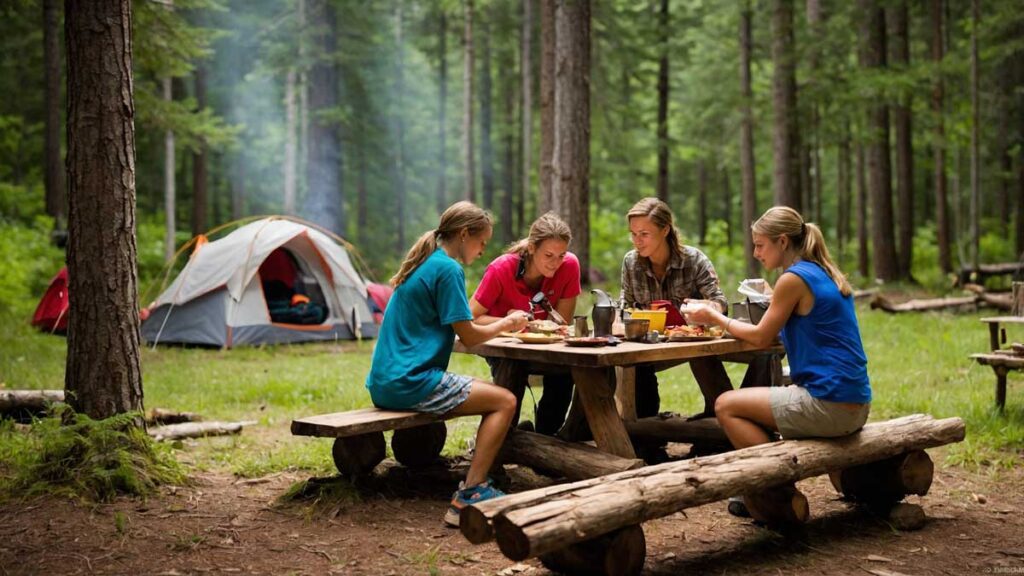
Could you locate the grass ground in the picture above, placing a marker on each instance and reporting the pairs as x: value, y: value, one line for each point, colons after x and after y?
x: 917, y: 363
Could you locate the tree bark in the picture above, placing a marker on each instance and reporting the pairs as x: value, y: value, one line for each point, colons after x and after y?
x: 54, y: 181
x: 526, y: 73
x: 468, y: 159
x: 786, y: 140
x: 486, y: 145
x: 904, y: 144
x: 442, y: 105
x: 879, y: 167
x: 571, y: 185
x: 942, y: 229
x: 399, y: 119
x: 170, y: 202
x: 663, y: 94
x: 812, y: 91
x: 844, y: 189
x: 975, y: 140
x: 103, y: 376
x: 747, y: 163
x: 541, y: 521
x: 547, y: 105
x: 324, y: 197
x: 862, y: 215
x: 511, y: 190
x: 199, y: 176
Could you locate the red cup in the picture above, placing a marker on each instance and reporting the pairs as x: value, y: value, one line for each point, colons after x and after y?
x: 673, y: 317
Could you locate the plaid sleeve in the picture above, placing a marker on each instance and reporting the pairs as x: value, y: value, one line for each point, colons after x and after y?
x: 706, y: 280
x: 626, y: 295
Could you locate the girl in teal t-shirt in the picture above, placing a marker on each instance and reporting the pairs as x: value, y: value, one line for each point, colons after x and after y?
x: 428, y: 308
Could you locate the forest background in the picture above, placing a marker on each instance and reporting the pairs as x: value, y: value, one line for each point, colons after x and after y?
x: 896, y: 125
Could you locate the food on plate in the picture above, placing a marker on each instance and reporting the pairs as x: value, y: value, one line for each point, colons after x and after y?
x: 546, y: 327
x: 533, y: 338
x: 698, y: 331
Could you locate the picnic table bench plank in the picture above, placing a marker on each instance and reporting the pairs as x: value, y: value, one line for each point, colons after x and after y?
x: 357, y: 422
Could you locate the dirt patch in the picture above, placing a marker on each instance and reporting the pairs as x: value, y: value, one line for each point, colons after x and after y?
x: 392, y: 525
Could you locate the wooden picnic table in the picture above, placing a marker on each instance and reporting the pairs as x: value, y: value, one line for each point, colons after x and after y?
x: 997, y: 335
x: 604, y: 376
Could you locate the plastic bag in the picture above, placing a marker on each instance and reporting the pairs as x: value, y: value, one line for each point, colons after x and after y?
x: 756, y: 290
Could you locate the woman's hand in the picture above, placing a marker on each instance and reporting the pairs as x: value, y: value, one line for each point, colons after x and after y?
x: 516, y: 320
x: 699, y: 311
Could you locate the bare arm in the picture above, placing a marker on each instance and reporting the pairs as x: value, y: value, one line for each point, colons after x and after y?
x: 789, y: 291
x: 567, y: 308
x: 471, y: 333
x: 480, y: 315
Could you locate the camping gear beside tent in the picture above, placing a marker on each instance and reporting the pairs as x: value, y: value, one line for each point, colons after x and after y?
x: 242, y: 288
x: 52, y: 312
x: 379, y: 295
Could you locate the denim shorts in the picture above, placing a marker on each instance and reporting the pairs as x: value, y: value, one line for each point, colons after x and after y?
x: 800, y: 415
x: 449, y: 395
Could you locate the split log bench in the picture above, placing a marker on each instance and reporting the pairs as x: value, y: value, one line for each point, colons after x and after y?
x: 1001, y: 364
x: 593, y: 526
x: 419, y: 438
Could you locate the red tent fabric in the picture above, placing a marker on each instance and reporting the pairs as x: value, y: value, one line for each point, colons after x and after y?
x: 379, y: 295
x: 52, y: 313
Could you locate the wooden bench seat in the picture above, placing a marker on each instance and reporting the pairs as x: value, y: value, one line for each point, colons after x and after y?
x: 1001, y: 364
x: 594, y: 525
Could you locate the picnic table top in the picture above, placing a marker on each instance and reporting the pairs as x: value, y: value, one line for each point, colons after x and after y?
x: 623, y: 354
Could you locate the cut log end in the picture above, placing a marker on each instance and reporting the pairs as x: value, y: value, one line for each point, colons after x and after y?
x: 420, y: 446
x: 475, y: 526
x: 512, y: 541
x: 618, y: 553
x: 887, y: 481
x: 358, y: 455
x: 782, y: 506
x: 907, y: 517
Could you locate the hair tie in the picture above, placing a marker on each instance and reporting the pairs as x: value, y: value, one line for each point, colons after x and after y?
x: 803, y: 229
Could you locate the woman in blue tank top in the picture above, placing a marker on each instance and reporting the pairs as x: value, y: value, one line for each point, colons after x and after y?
x: 812, y: 308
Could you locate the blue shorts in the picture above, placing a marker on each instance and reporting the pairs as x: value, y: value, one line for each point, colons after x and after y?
x: 449, y: 395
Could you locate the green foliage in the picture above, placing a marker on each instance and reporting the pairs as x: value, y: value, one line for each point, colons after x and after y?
x: 30, y: 261
x: 74, y: 455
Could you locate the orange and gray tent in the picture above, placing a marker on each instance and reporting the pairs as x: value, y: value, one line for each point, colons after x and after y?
x: 227, y: 292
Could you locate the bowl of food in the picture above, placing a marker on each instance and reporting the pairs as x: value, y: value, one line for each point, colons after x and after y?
x: 637, y: 328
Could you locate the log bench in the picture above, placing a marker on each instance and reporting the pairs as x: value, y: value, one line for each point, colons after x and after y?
x: 419, y: 438
x: 1001, y: 364
x: 593, y: 526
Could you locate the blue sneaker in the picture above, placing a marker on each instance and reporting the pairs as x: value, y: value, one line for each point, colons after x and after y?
x: 465, y: 496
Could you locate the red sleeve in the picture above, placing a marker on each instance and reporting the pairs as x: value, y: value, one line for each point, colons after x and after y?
x: 568, y: 277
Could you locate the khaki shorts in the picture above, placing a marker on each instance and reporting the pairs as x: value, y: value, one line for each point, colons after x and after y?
x: 799, y: 415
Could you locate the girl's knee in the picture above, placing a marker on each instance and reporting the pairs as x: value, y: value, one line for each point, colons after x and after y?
x: 724, y: 403
x: 507, y: 401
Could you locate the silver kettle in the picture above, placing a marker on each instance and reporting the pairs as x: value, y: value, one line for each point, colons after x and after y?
x: 603, y: 313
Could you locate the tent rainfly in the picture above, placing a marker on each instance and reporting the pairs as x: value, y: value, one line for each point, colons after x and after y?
x: 268, y: 282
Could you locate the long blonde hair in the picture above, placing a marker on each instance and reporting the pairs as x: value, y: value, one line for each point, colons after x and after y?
x: 547, y: 227
x: 458, y: 217
x: 805, y: 237
x: 661, y: 216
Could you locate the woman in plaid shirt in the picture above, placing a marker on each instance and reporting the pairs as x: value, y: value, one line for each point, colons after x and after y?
x: 661, y: 268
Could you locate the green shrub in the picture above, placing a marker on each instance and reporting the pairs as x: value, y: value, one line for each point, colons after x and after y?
x: 30, y: 262
x: 74, y: 455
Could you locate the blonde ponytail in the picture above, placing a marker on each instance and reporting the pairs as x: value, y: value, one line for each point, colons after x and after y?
x: 805, y: 237
x: 458, y: 217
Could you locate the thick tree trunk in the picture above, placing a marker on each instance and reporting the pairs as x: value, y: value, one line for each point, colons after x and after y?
x: 442, y: 105
x: 324, y: 198
x: 904, y: 144
x: 54, y: 172
x: 511, y: 190
x: 811, y: 94
x: 786, y: 139
x: 975, y: 140
x: 747, y: 164
x: 663, y: 94
x: 199, y: 176
x: 103, y: 376
x: 571, y: 185
x: 547, y: 105
x: 526, y: 73
x: 468, y: 159
x: 942, y: 228
x: 879, y: 167
x: 541, y: 521
x: 1020, y: 202
x: 486, y: 146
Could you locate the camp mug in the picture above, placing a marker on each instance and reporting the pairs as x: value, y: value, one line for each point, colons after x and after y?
x: 580, y: 326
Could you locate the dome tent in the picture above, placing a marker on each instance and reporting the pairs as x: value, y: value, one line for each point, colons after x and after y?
x: 223, y: 296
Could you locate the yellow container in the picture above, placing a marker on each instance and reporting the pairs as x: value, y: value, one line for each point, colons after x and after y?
x: 657, y: 317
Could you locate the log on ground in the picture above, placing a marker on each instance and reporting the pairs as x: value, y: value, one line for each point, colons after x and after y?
x: 196, y: 430
x: 358, y: 455
x: 888, y: 481
x: 678, y: 429
x: 922, y: 305
x: 162, y: 416
x: 540, y: 521
x: 572, y: 460
x: 618, y: 553
x: 34, y: 401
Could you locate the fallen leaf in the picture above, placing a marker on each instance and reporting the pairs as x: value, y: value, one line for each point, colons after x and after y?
x: 668, y: 556
x: 877, y: 558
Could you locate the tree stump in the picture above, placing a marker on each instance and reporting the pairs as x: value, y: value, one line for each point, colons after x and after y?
x: 419, y: 446
x: 888, y: 481
x: 781, y: 506
x: 358, y: 455
x: 618, y: 553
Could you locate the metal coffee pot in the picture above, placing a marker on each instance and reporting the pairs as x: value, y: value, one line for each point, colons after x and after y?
x: 603, y: 313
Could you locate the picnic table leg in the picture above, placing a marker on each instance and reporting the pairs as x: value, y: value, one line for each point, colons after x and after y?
x: 1000, y: 386
x: 625, y: 392
x: 993, y: 336
x: 512, y: 375
x: 596, y: 388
